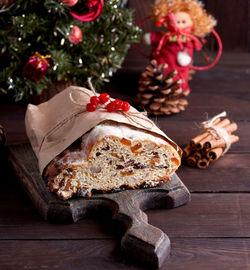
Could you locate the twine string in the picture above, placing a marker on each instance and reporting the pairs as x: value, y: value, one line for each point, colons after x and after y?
x: 91, y: 86
x: 217, y: 132
x: 75, y: 101
x: 131, y: 116
x: 136, y: 117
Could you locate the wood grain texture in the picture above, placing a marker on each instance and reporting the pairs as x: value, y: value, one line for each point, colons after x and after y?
x: 211, y: 232
x: 140, y: 241
x: 207, y: 215
x: 193, y: 254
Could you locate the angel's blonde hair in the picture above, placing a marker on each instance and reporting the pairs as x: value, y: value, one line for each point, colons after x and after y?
x: 203, y: 23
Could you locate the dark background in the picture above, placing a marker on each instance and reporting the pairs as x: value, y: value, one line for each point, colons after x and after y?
x: 211, y: 232
x: 233, y: 20
x: 233, y: 26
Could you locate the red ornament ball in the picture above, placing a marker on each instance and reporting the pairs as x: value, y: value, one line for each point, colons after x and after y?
x: 75, y: 35
x: 111, y: 107
x: 104, y: 98
x: 92, y: 3
x: 91, y: 107
x: 36, y: 67
x: 118, y: 104
x: 95, y: 100
x: 125, y: 106
x: 69, y: 3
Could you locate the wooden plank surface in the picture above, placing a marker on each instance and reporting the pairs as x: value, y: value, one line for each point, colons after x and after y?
x: 211, y: 232
x: 207, y: 215
x: 141, y: 240
x: 193, y: 254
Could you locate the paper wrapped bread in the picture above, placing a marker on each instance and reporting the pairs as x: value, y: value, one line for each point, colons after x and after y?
x: 80, y: 152
x: 111, y: 157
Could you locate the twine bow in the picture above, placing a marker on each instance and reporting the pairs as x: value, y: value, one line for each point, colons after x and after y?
x: 174, y: 30
x: 136, y: 117
x: 131, y: 116
x: 41, y: 59
x: 217, y: 132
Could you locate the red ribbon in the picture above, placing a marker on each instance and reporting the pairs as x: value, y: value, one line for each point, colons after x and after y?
x: 95, y: 9
x: 175, y: 31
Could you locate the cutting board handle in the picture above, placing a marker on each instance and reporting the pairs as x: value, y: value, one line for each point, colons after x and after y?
x: 141, y: 241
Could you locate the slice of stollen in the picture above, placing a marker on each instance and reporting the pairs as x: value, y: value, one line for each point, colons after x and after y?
x: 111, y: 157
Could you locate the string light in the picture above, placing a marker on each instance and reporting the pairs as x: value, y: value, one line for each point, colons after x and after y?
x: 99, y: 53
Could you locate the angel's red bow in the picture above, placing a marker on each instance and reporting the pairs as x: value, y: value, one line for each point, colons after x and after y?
x: 173, y: 30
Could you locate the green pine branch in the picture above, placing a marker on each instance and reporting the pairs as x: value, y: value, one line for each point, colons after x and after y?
x: 29, y: 26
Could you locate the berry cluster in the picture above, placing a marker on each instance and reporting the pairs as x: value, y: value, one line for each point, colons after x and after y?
x: 112, y: 106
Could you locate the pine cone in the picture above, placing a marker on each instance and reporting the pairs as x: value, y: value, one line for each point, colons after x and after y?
x: 158, y: 92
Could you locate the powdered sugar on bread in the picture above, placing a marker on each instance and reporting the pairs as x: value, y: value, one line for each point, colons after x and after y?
x: 111, y: 157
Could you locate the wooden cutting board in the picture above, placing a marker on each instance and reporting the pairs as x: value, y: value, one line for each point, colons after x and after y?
x: 141, y: 240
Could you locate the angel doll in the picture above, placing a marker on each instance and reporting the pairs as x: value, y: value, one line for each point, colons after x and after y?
x: 185, y: 23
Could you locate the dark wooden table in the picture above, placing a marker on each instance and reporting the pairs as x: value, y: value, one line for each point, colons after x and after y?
x: 211, y: 232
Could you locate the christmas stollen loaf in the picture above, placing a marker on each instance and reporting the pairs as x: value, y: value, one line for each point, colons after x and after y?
x: 112, y: 157
x: 80, y: 152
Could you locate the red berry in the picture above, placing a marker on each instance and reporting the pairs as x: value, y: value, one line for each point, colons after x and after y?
x: 125, y: 106
x: 118, y: 103
x: 91, y: 107
x: 111, y: 107
x: 95, y: 100
x: 104, y: 98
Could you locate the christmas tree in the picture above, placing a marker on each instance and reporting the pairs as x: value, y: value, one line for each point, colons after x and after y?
x: 54, y: 40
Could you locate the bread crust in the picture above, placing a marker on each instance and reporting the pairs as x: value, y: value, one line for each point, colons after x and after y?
x: 110, y: 163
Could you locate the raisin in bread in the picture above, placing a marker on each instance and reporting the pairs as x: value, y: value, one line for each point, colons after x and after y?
x: 112, y: 157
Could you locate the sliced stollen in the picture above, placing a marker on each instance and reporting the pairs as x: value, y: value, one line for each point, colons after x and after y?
x: 111, y: 157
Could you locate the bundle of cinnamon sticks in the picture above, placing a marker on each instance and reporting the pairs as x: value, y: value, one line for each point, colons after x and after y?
x: 207, y: 147
x: 2, y: 136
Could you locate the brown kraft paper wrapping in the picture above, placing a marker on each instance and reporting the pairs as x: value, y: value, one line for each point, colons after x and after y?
x: 54, y: 125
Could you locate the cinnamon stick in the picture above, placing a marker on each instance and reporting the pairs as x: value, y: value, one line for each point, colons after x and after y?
x: 197, y: 155
x: 201, y: 144
x: 220, y: 143
x: 231, y: 127
x: 223, y: 123
x: 203, y: 163
x: 187, y: 151
x: 207, y: 147
x: 216, y: 121
x: 204, y: 151
x: 197, y: 139
x: 191, y: 161
x: 227, y: 126
x: 201, y: 136
x: 214, y: 154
